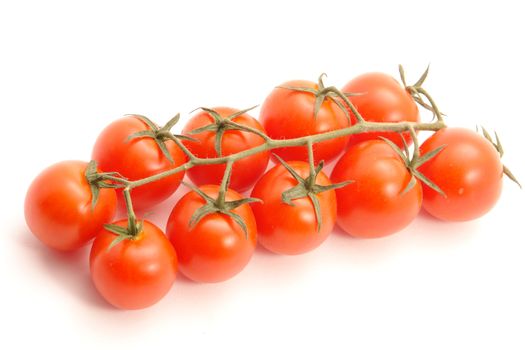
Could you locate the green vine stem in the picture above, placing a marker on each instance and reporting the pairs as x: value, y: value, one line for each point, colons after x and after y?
x: 132, y: 218
x: 415, y: 141
x: 221, y: 199
x: 359, y: 127
x: 133, y: 229
x: 311, y: 163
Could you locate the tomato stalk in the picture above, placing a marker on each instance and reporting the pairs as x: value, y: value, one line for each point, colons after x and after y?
x: 221, y: 198
x: 311, y: 163
x: 134, y: 227
x: 132, y: 218
x: 415, y: 141
x: 299, y: 141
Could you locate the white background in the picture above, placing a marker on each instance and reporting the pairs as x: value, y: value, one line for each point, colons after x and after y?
x: 69, y: 69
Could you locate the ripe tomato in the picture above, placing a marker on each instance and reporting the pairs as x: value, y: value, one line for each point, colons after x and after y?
x: 287, y: 229
x: 380, y: 98
x: 135, y: 273
x: 468, y: 170
x: 216, y: 248
x: 245, y: 171
x: 58, y: 206
x: 138, y: 158
x: 287, y: 114
x: 374, y: 205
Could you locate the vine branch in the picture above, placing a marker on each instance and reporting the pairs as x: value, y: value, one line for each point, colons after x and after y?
x: 359, y: 127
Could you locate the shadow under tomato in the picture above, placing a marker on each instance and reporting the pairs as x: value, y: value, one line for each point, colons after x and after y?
x: 430, y: 231
x: 362, y: 251
x: 68, y: 269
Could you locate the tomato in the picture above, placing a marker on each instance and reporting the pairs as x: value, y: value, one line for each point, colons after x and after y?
x: 245, y: 171
x: 374, y: 205
x: 138, y: 158
x: 468, y: 170
x: 287, y: 229
x: 380, y: 98
x: 287, y: 114
x: 58, y: 206
x: 216, y: 248
x: 135, y: 273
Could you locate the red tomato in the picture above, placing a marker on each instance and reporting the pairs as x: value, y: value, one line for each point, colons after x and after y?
x: 468, y: 170
x: 381, y: 99
x: 287, y: 229
x: 287, y: 114
x: 245, y: 171
x: 138, y: 158
x: 58, y: 208
x: 135, y: 273
x: 374, y: 205
x: 217, y: 248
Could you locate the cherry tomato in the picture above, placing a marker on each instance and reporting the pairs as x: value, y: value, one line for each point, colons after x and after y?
x: 135, y: 273
x: 468, y: 170
x: 287, y: 114
x: 138, y: 158
x: 216, y: 248
x: 58, y: 206
x: 245, y: 171
x: 287, y: 229
x: 374, y: 205
x: 380, y: 98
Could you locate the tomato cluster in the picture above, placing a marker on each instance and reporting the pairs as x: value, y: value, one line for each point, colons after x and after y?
x: 377, y: 186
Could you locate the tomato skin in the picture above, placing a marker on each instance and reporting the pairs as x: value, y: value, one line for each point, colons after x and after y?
x: 58, y: 207
x: 136, y: 159
x: 245, y: 171
x: 468, y: 170
x: 373, y: 206
x: 286, y: 229
x: 216, y: 249
x: 135, y: 273
x: 383, y: 99
x: 287, y: 114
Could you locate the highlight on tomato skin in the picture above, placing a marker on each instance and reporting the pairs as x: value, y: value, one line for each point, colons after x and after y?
x: 138, y: 158
x: 374, y: 205
x: 379, y: 97
x: 135, y: 273
x: 291, y: 229
x: 216, y: 248
x: 245, y: 171
x: 468, y: 170
x: 287, y: 114
x: 58, y: 206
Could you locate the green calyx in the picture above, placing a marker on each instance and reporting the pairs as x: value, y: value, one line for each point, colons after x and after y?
x: 160, y: 134
x: 130, y: 232
x: 499, y: 147
x: 222, y: 124
x: 218, y: 205
x: 419, y: 94
x: 323, y: 93
x: 307, y: 187
x: 98, y: 180
x: 414, y: 162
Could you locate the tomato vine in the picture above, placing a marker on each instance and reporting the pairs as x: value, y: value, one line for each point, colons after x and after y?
x: 163, y: 134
